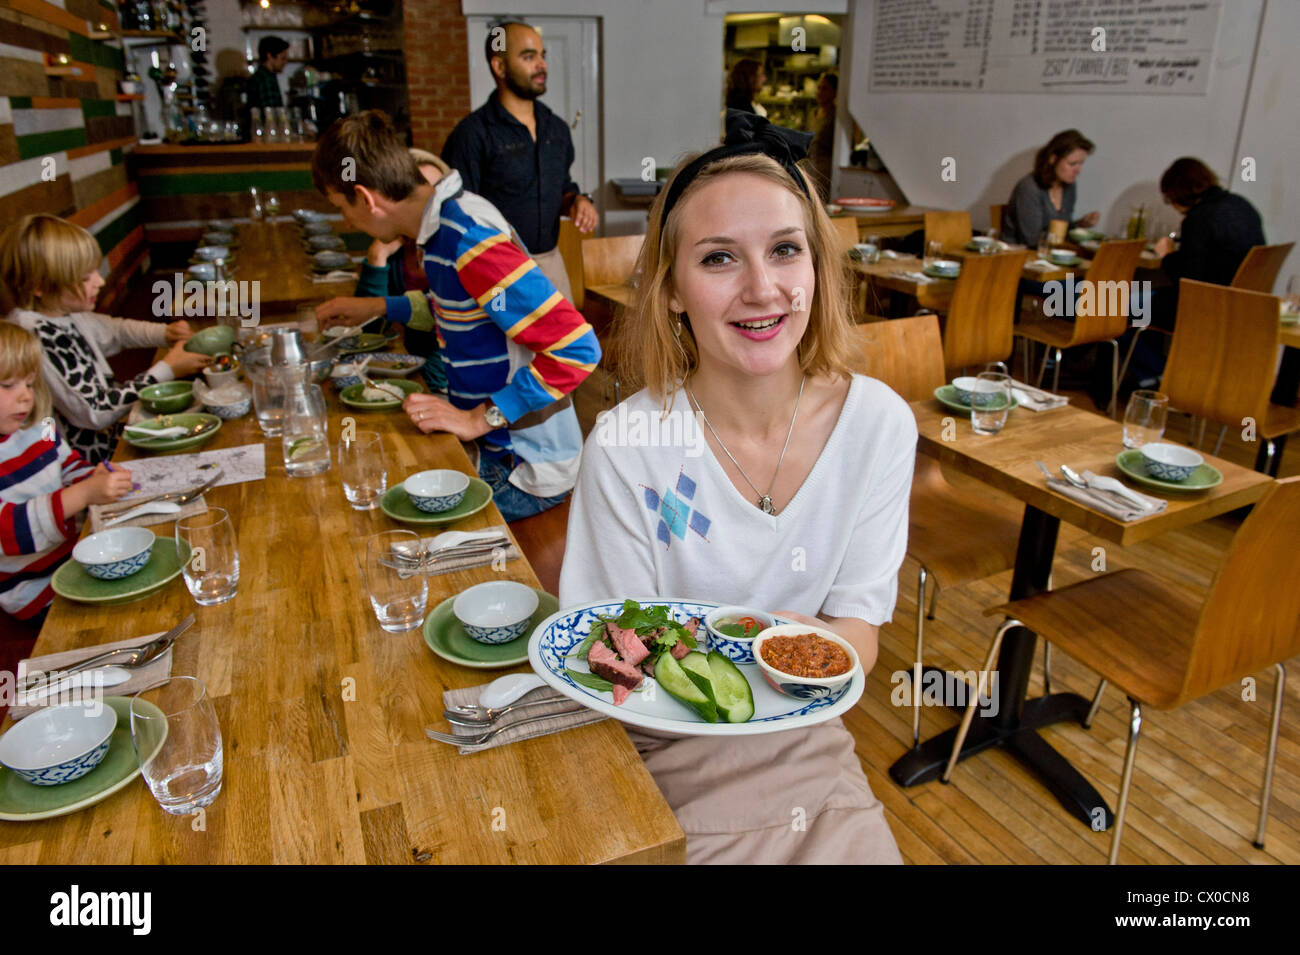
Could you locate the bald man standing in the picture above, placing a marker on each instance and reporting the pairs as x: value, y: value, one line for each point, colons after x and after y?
x: 517, y: 154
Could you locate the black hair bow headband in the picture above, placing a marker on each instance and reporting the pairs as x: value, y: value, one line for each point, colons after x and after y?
x: 746, y: 133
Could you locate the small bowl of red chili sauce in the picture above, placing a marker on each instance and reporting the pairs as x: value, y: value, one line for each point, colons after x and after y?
x: 803, y: 661
x: 732, y: 631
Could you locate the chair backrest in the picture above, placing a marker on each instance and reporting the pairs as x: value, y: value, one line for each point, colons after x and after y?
x: 1258, y: 270
x: 610, y: 261
x: 981, y: 317
x: 904, y: 353
x: 1251, y: 617
x: 950, y: 228
x: 1224, y: 349
x: 1101, y: 311
x: 846, y: 227
x: 996, y: 214
x: 570, y: 246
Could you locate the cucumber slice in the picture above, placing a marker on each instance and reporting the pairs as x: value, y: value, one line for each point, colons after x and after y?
x: 696, y: 667
x: 675, y: 682
x: 731, y: 693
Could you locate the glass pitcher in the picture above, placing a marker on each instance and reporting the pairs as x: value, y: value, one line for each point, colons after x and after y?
x: 305, y: 436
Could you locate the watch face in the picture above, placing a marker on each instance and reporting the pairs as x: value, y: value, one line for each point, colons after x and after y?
x: 495, y: 417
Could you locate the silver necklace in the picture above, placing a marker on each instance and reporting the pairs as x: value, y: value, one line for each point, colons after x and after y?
x: 764, y: 500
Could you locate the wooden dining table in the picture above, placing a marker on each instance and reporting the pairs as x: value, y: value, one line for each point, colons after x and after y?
x: 273, y: 254
x: 1006, y: 462
x: 322, y: 713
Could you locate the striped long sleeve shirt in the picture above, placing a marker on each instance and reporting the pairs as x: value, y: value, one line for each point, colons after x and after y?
x: 505, y: 334
x: 35, y: 535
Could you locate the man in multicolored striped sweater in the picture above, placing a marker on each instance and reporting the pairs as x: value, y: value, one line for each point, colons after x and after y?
x: 514, y: 348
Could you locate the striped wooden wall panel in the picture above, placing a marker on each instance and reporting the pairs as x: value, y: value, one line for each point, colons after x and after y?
x: 64, y: 140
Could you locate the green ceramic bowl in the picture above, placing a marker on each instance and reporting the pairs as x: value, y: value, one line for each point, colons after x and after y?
x: 168, y: 397
x: 214, y: 341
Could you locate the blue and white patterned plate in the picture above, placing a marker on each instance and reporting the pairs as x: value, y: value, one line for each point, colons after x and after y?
x: 650, y: 708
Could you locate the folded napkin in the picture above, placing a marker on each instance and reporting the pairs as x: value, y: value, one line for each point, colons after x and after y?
x: 1036, y: 399
x: 146, y: 678
x: 1107, y: 502
x: 920, y: 278
x: 449, y: 563
x: 97, y: 519
x: 140, y: 413
x: 563, y: 721
x: 338, y: 275
x: 1041, y: 265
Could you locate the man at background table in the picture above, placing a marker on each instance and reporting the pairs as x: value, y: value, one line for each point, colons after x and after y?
x: 512, y: 346
x: 264, y: 84
x: 516, y: 153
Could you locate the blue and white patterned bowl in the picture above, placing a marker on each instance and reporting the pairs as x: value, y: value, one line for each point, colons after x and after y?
x: 227, y: 409
x: 59, y: 743
x: 1170, y: 462
x: 115, y: 553
x: 735, y: 649
x: 497, y: 611
x: 436, y: 491
x: 803, y: 687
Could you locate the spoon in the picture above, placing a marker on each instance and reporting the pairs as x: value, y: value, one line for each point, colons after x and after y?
x: 1102, y: 483
x: 152, y: 507
x: 173, y: 432
x: 505, y: 690
x: 1073, y: 478
x: 101, y: 677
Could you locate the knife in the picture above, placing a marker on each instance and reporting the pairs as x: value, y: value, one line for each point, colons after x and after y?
x: 139, y: 656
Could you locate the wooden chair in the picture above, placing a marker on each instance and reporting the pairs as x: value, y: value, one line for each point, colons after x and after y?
x: 541, y: 538
x: 1258, y: 270
x: 1154, y: 643
x: 980, y: 319
x: 846, y: 227
x: 956, y: 536
x: 607, y: 261
x: 1102, y: 315
x: 996, y: 214
x: 952, y: 229
x: 570, y: 246
x: 1222, y: 363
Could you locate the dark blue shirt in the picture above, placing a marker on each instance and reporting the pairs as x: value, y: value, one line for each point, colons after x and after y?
x: 527, y: 180
x: 1215, y: 236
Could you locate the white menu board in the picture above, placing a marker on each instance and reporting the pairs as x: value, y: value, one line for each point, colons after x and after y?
x: 1043, y: 46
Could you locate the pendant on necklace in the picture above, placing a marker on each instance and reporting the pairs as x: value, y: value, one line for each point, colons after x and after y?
x: 765, y: 505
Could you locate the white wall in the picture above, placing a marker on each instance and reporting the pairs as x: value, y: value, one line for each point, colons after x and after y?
x: 993, y: 137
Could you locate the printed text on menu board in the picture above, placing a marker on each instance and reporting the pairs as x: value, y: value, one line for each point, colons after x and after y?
x: 1041, y: 46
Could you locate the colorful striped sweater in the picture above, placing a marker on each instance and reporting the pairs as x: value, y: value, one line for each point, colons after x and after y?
x: 35, y: 536
x: 506, y: 334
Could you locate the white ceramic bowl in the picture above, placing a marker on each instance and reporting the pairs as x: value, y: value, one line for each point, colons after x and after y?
x: 210, y: 253
x: 1060, y: 256
x: 965, y: 387
x: 1170, y: 462
x: 983, y: 241
x: 115, y: 553
x: 946, y: 266
x: 436, y: 491
x: 59, y: 743
x: 803, y: 687
x: 232, y: 400
x: 497, y: 611
x: 735, y: 649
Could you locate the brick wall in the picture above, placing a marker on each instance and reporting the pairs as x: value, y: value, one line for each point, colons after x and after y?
x: 437, y: 71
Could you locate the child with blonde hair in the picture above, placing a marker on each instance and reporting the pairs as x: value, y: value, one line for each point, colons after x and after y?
x: 50, y: 268
x: 44, y: 484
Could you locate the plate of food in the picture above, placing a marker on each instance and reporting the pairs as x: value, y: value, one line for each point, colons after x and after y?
x: 384, y: 396
x: 392, y: 364
x: 861, y: 204
x: 647, y: 663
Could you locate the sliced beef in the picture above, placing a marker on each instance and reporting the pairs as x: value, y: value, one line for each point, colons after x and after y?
x: 627, y: 643
x: 679, y: 650
x: 621, y: 693
x: 648, y: 641
x: 604, y: 664
x: 692, y: 625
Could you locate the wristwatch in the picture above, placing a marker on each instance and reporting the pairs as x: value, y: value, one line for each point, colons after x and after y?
x: 494, y: 416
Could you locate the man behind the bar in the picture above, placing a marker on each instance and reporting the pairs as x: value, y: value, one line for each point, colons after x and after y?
x: 512, y: 346
x: 264, y: 84
x: 516, y: 153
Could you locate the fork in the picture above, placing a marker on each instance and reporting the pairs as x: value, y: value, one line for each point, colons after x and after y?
x: 484, y: 737
x: 470, y: 714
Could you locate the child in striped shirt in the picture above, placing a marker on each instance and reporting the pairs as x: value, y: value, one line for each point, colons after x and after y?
x: 44, y: 484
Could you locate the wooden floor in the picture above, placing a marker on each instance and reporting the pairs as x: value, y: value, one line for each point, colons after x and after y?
x: 1196, y: 784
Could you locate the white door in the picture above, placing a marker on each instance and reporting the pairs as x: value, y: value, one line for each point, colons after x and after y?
x: 572, y: 88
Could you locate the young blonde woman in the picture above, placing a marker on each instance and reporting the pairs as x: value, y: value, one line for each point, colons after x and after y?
x: 50, y: 268
x: 798, y: 504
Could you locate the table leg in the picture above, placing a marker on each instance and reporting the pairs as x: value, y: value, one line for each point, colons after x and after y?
x: 1015, y: 720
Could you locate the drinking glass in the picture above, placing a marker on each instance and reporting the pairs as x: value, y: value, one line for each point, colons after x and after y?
x: 875, y: 243
x: 268, y: 398
x: 211, y: 571
x: 1044, y: 244
x: 304, y: 436
x: 272, y: 204
x: 398, y: 599
x: 363, y: 470
x: 1293, y: 293
x: 256, y: 212
x: 990, y: 402
x: 933, y: 252
x: 255, y: 123
x: 1144, y: 418
x: 179, y: 748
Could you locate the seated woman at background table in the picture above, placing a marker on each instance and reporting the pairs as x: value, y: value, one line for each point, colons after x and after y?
x: 392, y: 269
x: 50, y: 269
x: 1049, y: 191
x: 44, y: 485
x: 742, y: 325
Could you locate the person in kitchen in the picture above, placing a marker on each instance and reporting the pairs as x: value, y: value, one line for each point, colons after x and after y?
x: 264, y: 84
x: 743, y: 323
x: 512, y: 346
x: 517, y: 154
